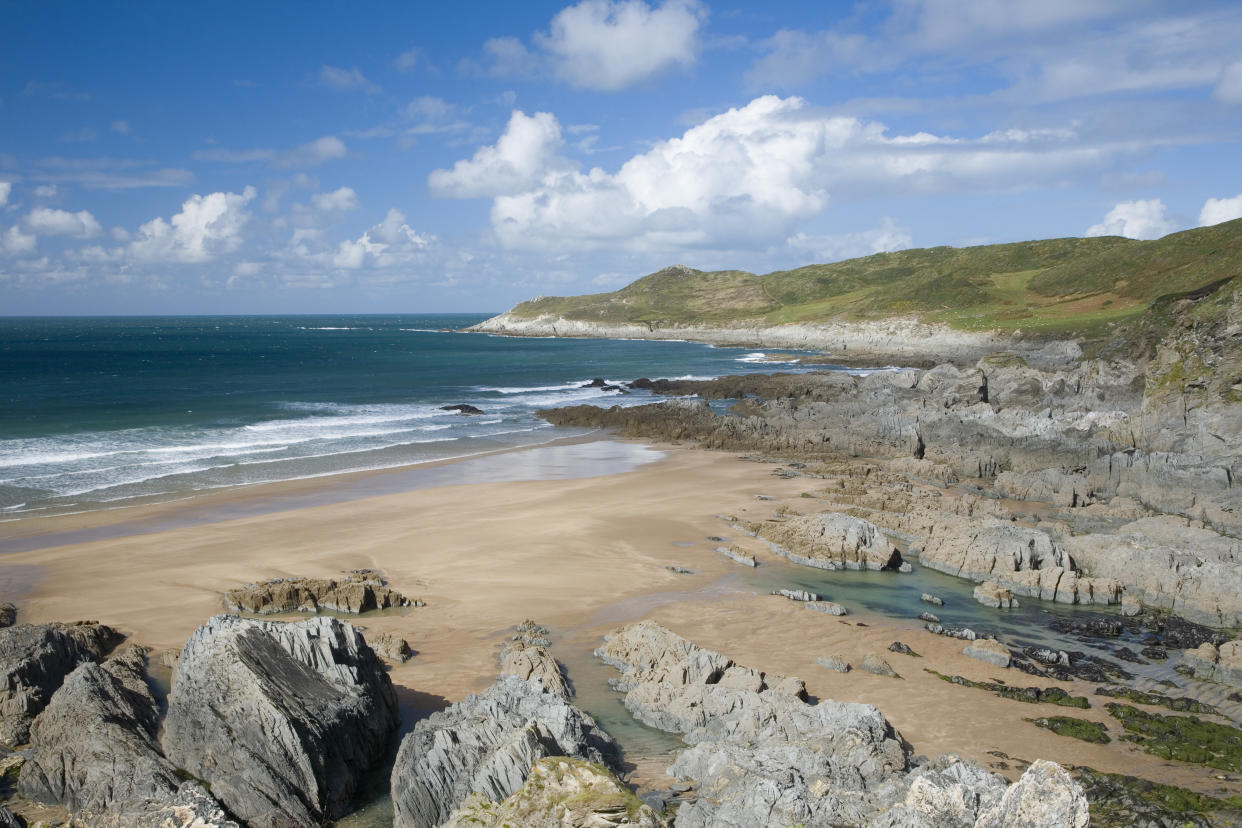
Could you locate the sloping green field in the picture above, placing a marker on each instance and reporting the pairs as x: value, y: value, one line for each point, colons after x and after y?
x: 1081, y: 287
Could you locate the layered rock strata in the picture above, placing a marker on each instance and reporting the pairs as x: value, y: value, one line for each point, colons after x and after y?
x: 281, y: 719
x: 829, y: 541
x: 359, y: 591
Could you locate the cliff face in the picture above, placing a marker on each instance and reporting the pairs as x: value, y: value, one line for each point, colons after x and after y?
x: 901, y: 340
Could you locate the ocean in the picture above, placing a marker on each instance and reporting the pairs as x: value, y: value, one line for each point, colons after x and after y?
x: 104, y: 412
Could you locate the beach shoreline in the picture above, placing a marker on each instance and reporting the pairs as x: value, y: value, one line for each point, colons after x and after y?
x: 582, y: 555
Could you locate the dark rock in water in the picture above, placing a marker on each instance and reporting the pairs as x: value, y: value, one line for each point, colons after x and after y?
x: 613, y: 388
x: 280, y: 719
x: 598, y: 382
x: 102, y: 719
x: 1177, y: 633
x: 642, y: 384
x: 8, y: 614
x: 487, y: 744
x: 463, y: 408
x: 34, y: 660
x: 1155, y: 653
x: 1126, y: 654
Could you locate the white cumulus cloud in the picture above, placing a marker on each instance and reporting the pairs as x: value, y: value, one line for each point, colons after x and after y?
x: 748, y: 177
x: 526, y: 151
x: 886, y: 238
x: 1216, y: 210
x: 391, y: 242
x: 46, y: 221
x: 207, y: 226
x: 605, y: 45
x: 15, y: 242
x: 6, y: 187
x: 339, y: 200
x: 1135, y: 220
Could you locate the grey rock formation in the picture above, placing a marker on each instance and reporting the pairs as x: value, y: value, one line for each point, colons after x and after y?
x: 797, y: 594
x: 560, y: 792
x: 34, y: 660
x: 830, y: 541
x: 932, y: 599
x: 835, y: 663
x: 391, y: 647
x: 875, y: 663
x: 945, y: 793
x: 1223, y: 664
x: 281, y: 719
x: 8, y: 820
x: 992, y: 594
x: 8, y: 614
x: 487, y: 744
x: 94, y: 746
x: 989, y: 650
x: 527, y: 656
x: 737, y: 555
x: 190, y: 806
x: 826, y: 607
x: 358, y: 591
x: 1044, y: 795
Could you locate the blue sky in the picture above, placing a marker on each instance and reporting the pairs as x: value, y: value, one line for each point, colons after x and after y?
x: 326, y: 157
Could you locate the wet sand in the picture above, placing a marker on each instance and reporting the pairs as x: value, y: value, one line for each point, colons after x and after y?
x: 581, y: 554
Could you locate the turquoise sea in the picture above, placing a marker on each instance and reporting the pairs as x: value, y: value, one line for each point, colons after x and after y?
x: 100, y: 412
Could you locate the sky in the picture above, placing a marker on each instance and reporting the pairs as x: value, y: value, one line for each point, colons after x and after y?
x: 324, y: 157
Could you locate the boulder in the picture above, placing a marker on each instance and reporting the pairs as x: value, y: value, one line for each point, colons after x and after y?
x: 830, y: 541
x: 1130, y: 606
x: 989, y: 650
x: 102, y: 720
x: 945, y: 792
x: 462, y: 408
x: 836, y: 663
x: 827, y: 607
x: 527, y: 656
x: 358, y: 591
x: 737, y: 555
x: 991, y: 594
x: 486, y: 745
x: 280, y: 719
x: 34, y: 660
x: 1044, y: 795
x: 932, y: 599
x: 8, y: 614
x: 875, y: 663
x: 559, y: 792
x: 797, y: 594
x: 391, y: 647
x: 1223, y: 663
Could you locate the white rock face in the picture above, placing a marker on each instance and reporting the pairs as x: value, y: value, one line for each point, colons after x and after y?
x: 1045, y: 795
x: 830, y: 541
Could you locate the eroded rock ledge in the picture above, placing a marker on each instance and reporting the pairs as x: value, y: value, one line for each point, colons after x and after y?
x: 358, y: 591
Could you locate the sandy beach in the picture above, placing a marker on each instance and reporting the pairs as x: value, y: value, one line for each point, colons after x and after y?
x: 582, y: 556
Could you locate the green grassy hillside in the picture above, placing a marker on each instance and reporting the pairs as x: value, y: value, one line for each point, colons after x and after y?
x: 1055, y: 286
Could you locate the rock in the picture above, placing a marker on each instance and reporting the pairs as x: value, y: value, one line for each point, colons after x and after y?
x: 875, y: 663
x: 527, y: 656
x: 737, y: 555
x: 1130, y: 606
x: 34, y: 660
x: 680, y: 570
x: 190, y: 806
x: 830, y: 541
x: 836, y: 663
x: 600, y: 382
x: 462, y: 408
x: 929, y: 618
x: 991, y: 594
x: 932, y: 599
x: 280, y: 719
x: 964, y: 633
x: 827, y: 607
x: 1044, y: 795
x: 945, y: 792
x: 904, y: 649
x: 486, y: 745
x: 103, y: 718
x: 1222, y: 664
x: 390, y: 646
x: 8, y: 614
x: 797, y: 594
x: 989, y: 650
x: 905, y: 568
x: 8, y: 820
x: 358, y: 591
x: 560, y: 792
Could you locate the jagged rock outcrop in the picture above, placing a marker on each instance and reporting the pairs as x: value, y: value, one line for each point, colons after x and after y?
x: 526, y: 655
x: 560, y: 793
x: 989, y: 650
x: 8, y: 614
x: 34, y: 660
x: 281, y: 719
x: 94, y: 746
x: 1167, y: 563
x: 829, y: 541
x: 358, y: 591
x: 391, y: 647
x: 1044, y: 795
x: 487, y: 744
x: 1223, y: 663
x: 190, y: 806
x: 1024, y: 561
x: 992, y: 594
x: 945, y: 793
